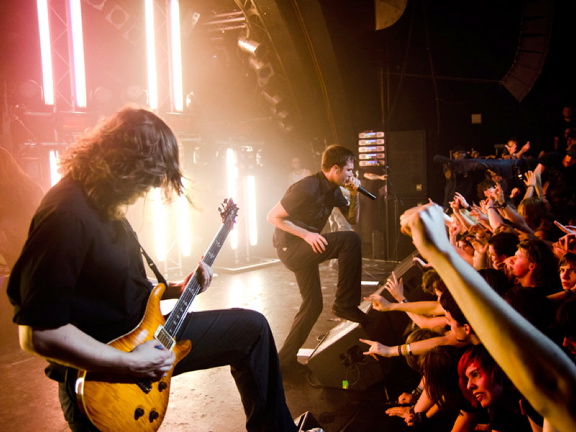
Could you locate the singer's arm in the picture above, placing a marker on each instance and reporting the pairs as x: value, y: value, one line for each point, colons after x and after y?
x: 353, y: 210
x: 278, y: 217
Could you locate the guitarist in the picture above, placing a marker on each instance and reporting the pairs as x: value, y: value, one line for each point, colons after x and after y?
x: 80, y: 281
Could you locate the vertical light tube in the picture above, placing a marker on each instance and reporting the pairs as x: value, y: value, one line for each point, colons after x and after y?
x: 251, y: 204
x: 151, y: 54
x: 232, y: 179
x: 176, y: 56
x: 53, y: 161
x: 78, y: 53
x: 46, y: 51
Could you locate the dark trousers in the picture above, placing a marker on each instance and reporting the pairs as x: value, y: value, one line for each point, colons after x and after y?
x: 240, y: 338
x: 303, y: 261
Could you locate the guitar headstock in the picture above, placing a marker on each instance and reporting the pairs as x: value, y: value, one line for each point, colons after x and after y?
x: 228, y: 210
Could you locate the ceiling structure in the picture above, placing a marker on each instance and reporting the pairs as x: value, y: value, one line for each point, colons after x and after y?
x: 323, y: 72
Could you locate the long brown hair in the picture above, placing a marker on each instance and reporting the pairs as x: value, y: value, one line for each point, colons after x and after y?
x: 122, y: 158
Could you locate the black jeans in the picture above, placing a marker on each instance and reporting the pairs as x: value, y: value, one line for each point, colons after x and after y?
x: 303, y: 261
x: 240, y: 338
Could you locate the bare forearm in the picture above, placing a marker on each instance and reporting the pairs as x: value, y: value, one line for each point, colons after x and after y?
x: 535, y: 364
x: 353, y: 216
x: 418, y: 307
x: 288, y: 226
x: 69, y: 346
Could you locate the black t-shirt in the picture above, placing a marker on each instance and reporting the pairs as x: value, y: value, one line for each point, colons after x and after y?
x: 309, y: 203
x: 79, y: 268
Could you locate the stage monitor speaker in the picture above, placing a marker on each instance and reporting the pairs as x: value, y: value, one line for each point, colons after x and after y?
x: 406, y: 152
x: 338, y: 360
x: 306, y: 422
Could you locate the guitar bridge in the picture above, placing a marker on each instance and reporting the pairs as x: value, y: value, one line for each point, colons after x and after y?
x: 164, y: 337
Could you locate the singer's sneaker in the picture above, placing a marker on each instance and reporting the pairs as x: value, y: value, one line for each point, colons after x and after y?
x: 352, y: 313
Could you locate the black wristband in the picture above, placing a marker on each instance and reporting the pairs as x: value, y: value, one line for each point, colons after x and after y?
x: 416, y: 393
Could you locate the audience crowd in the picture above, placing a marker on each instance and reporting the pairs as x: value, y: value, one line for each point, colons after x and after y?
x: 496, y: 350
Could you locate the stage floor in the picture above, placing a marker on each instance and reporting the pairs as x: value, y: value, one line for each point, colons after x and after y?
x: 207, y: 401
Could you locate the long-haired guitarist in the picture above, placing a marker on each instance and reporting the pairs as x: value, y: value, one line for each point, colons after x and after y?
x: 80, y: 283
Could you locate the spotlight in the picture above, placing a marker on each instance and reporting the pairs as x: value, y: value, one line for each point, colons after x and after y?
x: 263, y: 70
x: 251, y: 47
x: 135, y: 93
x: 277, y: 102
x: 118, y: 16
x: 101, y: 98
x: 30, y: 90
x: 102, y: 95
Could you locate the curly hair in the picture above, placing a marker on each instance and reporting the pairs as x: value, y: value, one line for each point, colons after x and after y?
x: 431, y: 281
x: 122, y: 158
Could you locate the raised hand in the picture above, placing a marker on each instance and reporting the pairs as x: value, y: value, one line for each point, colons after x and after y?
x: 395, y: 287
x: 379, y: 303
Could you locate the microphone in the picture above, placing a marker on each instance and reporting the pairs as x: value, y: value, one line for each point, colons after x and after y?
x: 366, y: 193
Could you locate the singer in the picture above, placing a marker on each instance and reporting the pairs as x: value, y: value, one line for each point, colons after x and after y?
x: 299, y: 218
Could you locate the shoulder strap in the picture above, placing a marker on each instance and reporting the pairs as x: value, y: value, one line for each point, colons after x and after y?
x: 151, y: 263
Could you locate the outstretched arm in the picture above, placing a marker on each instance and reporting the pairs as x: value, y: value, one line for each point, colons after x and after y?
x: 542, y: 372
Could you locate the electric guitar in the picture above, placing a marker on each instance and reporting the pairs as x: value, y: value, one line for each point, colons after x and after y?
x: 117, y: 403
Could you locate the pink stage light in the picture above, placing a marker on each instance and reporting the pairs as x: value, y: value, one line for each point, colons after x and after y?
x: 46, y: 51
x: 78, y: 53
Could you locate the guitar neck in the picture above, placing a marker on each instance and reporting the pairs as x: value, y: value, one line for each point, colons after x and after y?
x: 180, y: 310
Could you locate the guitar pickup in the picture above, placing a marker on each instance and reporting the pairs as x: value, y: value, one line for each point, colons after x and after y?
x: 162, y: 336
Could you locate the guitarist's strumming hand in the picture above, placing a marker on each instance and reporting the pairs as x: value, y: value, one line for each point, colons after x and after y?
x: 150, y: 360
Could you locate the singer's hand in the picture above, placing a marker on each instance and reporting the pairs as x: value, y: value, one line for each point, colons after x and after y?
x: 352, y: 184
x: 317, y: 241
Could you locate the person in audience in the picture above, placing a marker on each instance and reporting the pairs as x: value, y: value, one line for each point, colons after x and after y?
x: 511, y: 150
x: 538, y: 216
x: 563, y: 127
x: 536, y: 365
x: 442, y: 405
x: 500, y: 247
x: 406, y: 401
x: 557, y: 169
x: 566, y: 243
x: 535, y: 266
x: 566, y: 322
x: 567, y: 270
x: 535, y: 271
x: 424, y: 314
x: 484, y: 385
x: 298, y: 171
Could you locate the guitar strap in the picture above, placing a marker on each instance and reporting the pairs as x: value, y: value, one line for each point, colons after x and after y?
x: 151, y: 263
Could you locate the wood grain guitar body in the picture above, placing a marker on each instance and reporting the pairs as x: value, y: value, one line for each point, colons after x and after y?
x: 116, y: 403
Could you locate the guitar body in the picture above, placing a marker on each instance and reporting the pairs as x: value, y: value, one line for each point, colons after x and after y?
x: 116, y: 403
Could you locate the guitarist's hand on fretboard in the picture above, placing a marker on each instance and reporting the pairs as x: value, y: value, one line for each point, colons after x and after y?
x: 150, y: 360
x: 205, y: 274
